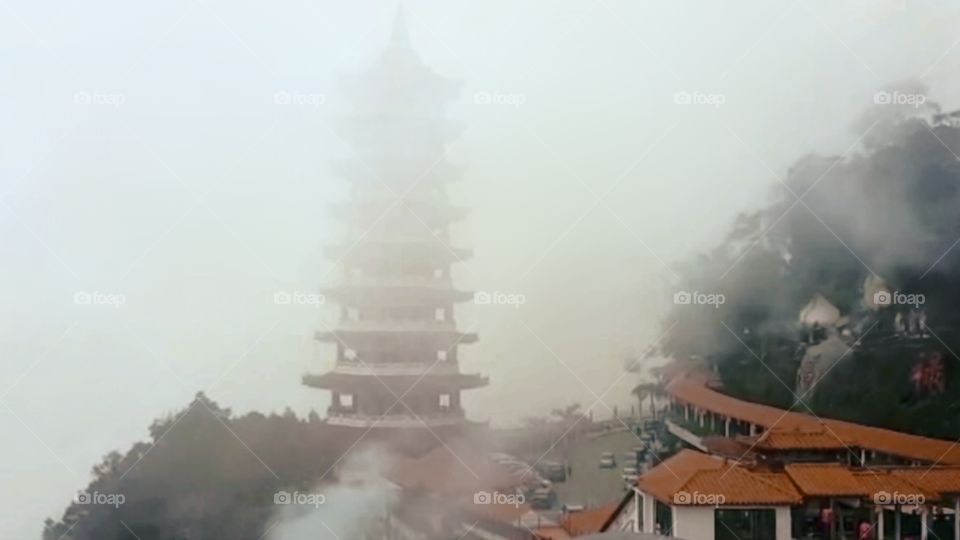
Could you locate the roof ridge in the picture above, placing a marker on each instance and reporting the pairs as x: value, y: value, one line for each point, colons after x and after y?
x: 760, y: 477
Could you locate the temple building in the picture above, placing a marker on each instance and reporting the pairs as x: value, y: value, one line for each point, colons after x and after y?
x: 397, y: 365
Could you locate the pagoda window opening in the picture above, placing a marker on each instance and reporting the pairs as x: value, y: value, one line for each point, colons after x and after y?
x: 345, y: 401
x: 350, y: 354
x: 444, y: 402
x: 442, y: 356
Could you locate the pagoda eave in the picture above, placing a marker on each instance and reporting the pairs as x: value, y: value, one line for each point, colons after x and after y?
x: 378, y: 169
x: 352, y: 336
x: 364, y: 214
x: 397, y: 294
x: 377, y: 250
x: 398, y: 384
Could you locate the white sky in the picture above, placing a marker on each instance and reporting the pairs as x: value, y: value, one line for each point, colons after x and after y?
x: 198, y: 196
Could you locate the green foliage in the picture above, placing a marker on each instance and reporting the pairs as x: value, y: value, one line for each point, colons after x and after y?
x: 205, y: 474
x: 890, y: 210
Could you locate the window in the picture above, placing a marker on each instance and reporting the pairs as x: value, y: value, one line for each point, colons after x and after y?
x: 745, y: 524
x: 663, y: 519
x: 442, y: 356
x: 350, y: 354
x: 444, y: 401
x: 345, y: 401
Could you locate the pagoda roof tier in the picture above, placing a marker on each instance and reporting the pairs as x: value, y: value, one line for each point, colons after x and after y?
x: 426, y: 250
x: 398, y: 384
x: 389, y: 126
x: 404, y: 421
x: 393, y: 292
x: 354, y: 335
x: 406, y: 171
x: 368, y: 210
x: 399, y: 77
x: 392, y: 369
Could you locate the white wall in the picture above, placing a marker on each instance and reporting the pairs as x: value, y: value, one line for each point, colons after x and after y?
x: 648, y: 511
x: 697, y: 522
x: 784, y: 523
x: 693, y: 522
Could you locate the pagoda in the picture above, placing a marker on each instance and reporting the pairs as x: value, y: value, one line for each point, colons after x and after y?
x: 397, y: 367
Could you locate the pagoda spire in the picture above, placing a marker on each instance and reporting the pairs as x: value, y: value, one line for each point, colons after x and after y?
x: 400, y: 36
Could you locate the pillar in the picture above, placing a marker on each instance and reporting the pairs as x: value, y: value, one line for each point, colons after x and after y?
x: 924, y: 523
x: 897, y: 533
x: 956, y: 519
x: 637, y: 511
x: 726, y: 433
x: 880, y: 529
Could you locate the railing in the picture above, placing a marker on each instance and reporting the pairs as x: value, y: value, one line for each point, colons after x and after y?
x: 396, y: 368
x: 451, y: 418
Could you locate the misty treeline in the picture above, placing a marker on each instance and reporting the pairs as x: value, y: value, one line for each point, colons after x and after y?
x: 205, y: 474
x: 888, y: 211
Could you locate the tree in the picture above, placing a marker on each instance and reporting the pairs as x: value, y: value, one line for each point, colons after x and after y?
x: 205, y: 474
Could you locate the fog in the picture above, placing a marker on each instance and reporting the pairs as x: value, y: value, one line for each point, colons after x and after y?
x: 147, y: 160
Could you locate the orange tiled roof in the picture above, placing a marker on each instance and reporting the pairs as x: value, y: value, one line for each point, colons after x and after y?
x: 939, y: 479
x: 825, y: 480
x: 887, y: 441
x: 782, y: 439
x: 590, y: 520
x: 886, y: 481
x: 692, y: 473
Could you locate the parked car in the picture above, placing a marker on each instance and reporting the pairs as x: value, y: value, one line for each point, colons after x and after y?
x: 543, y: 499
x: 555, y: 472
x: 607, y: 461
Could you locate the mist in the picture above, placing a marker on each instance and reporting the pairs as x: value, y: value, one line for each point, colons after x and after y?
x: 173, y: 165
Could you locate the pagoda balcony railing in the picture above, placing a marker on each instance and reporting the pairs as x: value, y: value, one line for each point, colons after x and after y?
x: 396, y: 368
x: 398, y: 281
x: 352, y: 419
x: 428, y: 325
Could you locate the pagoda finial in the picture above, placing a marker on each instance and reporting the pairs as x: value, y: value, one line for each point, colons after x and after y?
x: 399, y: 36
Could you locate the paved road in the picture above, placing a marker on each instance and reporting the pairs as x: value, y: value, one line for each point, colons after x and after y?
x: 590, y: 485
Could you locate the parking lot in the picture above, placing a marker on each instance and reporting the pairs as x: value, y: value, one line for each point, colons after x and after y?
x: 589, y: 485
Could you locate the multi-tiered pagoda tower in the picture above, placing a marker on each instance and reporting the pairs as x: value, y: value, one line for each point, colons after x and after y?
x: 397, y: 367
